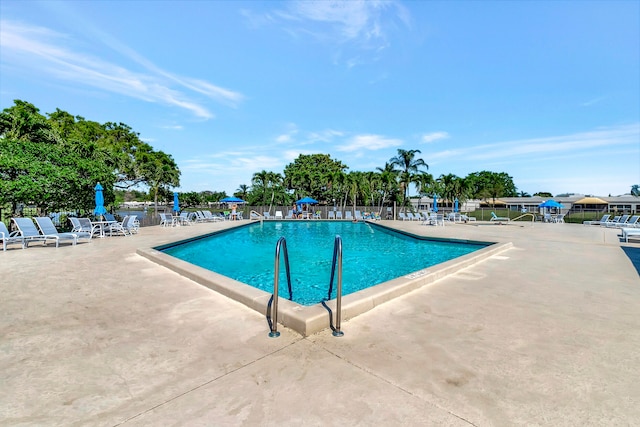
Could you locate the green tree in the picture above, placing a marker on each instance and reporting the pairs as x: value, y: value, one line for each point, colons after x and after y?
x: 490, y: 185
x: 310, y: 174
x: 408, y: 166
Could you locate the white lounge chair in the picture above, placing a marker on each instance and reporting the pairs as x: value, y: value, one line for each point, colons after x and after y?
x: 620, y: 222
x: 331, y: 215
x: 338, y: 214
x: 403, y: 216
x: 278, y: 215
x: 633, y: 233
x: 497, y: 218
x: 602, y: 220
x: 632, y: 222
x: 8, y: 238
x: 47, y: 228
x: 348, y: 215
x: 266, y: 215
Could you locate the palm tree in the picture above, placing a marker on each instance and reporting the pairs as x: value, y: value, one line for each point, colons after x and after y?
x: 408, y: 166
x: 242, y: 191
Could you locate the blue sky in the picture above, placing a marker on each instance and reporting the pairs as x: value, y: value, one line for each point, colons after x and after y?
x: 548, y: 92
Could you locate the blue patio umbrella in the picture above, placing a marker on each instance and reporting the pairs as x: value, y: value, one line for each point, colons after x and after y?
x: 455, y: 205
x: 435, y: 203
x: 232, y: 200
x: 551, y: 204
x: 307, y: 200
x: 99, y: 210
x: 176, y: 203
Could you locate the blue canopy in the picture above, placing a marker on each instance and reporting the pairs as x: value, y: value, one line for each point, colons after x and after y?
x: 100, y: 209
x: 550, y: 204
x: 232, y: 200
x: 435, y: 203
x: 176, y: 203
x: 307, y: 200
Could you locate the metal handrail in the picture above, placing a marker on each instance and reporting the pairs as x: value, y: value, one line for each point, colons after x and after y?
x: 273, y: 325
x: 337, y: 261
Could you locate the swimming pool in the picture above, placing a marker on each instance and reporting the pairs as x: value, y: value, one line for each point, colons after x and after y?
x: 371, y: 255
x: 308, y: 320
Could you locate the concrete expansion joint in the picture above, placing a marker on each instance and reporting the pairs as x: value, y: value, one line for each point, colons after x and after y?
x: 395, y: 385
x: 206, y: 383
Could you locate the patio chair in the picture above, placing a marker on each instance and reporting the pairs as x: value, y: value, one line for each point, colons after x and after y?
x: 338, y: 214
x: 46, y: 227
x: 358, y: 215
x: 119, y: 227
x: 403, y: 217
x: 165, y: 221
x: 289, y: 214
x: 84, y: 225
x: 348, y: 215
x: 331, y: 215
x: 497, y: 218
x: 317, y: 215
x: 278, y: 215
x: 130, y: 224
x: 266, y: 215
x: 8, y: 238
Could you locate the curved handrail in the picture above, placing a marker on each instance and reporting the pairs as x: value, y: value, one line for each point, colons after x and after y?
x: 253, y: 214
x: 273, y: 325
x: 533, y: 217
x: 337, y: 260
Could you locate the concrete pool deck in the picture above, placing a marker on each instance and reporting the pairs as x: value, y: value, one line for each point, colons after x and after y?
x: 544, y: 333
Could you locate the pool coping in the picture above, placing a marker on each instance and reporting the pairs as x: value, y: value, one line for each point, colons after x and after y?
x: 308, y: 320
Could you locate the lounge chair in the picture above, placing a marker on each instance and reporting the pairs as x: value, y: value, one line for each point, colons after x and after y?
x: 348, y: 215
x: 8, y: 238
x: 358, y: 215
x: 497, y: 218
x: 47, y: 228
x: 317, y: 215
x: 331, y: 215
x: 630, y: 233
x: 338, y: 214
x: 403, y: 217
x: 289, y: 214
x: 633, y: 222
x: 266, y: 215
x: 278, y: 215
x: 602, y: 220
x: 620, y: 222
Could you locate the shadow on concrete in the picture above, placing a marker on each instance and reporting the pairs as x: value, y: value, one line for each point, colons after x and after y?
x: 634, y: 256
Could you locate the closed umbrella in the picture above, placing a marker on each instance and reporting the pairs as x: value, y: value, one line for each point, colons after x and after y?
x: 455, y: 205
x: 100, y: 209
x: 435, y: 203
x: 176, y: 203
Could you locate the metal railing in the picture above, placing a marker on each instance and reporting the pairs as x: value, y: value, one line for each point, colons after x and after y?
x: 272, y: 314
x: 336, y: 262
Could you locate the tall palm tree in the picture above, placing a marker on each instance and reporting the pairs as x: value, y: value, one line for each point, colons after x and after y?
x: 408, y: 166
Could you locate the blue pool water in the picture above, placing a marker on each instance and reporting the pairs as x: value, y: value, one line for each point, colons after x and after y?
x: 371, y: 255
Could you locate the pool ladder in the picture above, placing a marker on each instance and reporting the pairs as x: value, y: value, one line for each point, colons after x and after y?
x: 272, y: 305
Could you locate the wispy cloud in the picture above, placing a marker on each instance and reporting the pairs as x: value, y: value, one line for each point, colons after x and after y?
x: 369, y: 142
x: 362, y: 24
x: 603, y: 138
x: 41, y: 50
x: 434, y: 136
x: 591, y: 102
